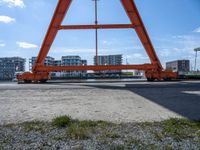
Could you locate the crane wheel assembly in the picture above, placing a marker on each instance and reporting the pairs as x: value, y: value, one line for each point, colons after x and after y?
x: 153, y: 70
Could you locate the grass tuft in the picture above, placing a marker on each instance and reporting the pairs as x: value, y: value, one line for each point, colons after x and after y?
x: 78, y: 129
x: 117, y: 147
x: 10, y: 125
x: 62, y: 121
x: 180, y: 128
x: 78, y: 132
x: 33, y: 125
x: 110, y: 134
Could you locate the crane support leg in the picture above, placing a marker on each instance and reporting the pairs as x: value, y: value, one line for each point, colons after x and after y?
x: 137, y: 22
x: 141, y: 31
x: 58, y: 17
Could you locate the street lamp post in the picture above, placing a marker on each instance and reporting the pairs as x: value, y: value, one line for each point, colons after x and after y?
x: 196, y: 55
x: 96, y: 30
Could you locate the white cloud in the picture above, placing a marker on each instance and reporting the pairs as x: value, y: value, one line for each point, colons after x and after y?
x: 13, y: 3
x: 188, y: 43
x: 165, y: 52
x: 136, y: 47
x: 137, y: 56
x: 6, y: 19
x: 197, y: 30
x: 2, y: 45
x: 26, y: 45
x: 107, y: 42
x: 179, y: 45
x: 59, y: 50
x: 179, y: 36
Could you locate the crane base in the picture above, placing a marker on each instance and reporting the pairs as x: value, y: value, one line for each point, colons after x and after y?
x: 35, y: 77
x: 160, y: 75
x: 42, y: 77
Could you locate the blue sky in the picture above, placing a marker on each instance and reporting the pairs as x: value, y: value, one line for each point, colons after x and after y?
x: 173, y: 25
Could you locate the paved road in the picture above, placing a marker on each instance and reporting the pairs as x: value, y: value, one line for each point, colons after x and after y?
x: 116, y: 102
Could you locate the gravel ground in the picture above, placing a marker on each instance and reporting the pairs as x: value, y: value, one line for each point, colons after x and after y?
x: 115, y: 102
x: 170, y: 134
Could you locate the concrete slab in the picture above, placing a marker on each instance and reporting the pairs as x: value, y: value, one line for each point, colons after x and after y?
x: 116, y: 102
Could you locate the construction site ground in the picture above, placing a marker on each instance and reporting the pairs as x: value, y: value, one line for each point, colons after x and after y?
x: 110, y: 101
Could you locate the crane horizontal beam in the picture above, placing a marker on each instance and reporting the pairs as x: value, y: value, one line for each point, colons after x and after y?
x: 97, y: 68
x: 102, y: 26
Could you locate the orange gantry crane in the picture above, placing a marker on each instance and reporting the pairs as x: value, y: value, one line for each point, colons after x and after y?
x: 153, y: 70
